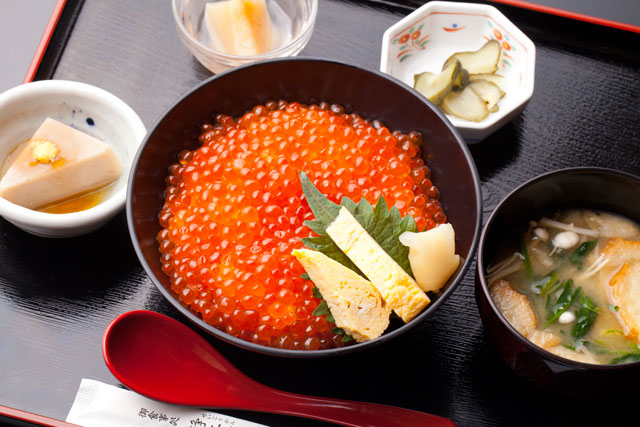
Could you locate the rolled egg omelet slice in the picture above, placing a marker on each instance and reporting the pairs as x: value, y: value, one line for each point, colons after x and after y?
x: 355, y: 304
x: 397, y: 288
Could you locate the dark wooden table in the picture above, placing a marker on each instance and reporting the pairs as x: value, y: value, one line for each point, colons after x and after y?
x: 57, y: 296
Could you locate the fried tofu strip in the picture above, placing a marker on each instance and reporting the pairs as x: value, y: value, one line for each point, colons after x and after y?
x: 516, y: 308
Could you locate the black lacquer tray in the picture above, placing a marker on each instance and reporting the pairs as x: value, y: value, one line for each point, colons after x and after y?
x: 57, y: 296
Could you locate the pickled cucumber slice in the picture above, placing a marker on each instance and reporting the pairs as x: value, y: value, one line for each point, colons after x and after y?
x: 493, y: 78
x: 465, y: 104
x: 436, y: 86
x: 489, y: 92
x: 461, y: 80
x: 483, y: 60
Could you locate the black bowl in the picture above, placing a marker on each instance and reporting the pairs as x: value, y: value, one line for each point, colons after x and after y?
x: 592, y: 188
x: 371, y: 94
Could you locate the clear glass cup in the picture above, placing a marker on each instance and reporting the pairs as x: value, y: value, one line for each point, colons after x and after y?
x: 292, y: 26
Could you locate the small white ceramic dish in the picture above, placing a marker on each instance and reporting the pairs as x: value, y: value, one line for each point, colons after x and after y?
x: 424, y: 39
x: 87, y: 108
x: 293, y: 22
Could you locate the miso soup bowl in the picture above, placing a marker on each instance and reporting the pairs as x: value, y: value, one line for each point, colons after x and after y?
x: 585, y: 187
x: 373, y: 95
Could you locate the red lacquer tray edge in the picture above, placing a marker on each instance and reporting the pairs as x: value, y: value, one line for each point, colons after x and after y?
x: 44, y: 41
x: 571, y: 15
x: 15, y: 414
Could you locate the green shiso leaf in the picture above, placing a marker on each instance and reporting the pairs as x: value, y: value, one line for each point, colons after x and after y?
x: 325, y: 212
x: 322, y: 309
x: 347, y: 338
x: 323, y: 209
x: 305, y: 276
x: 325, y: 245
x: 382, y: 223
x: 316, y: 293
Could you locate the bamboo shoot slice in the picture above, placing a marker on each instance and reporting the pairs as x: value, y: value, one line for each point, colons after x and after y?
x: 465, y: 104
x: 483, y: 60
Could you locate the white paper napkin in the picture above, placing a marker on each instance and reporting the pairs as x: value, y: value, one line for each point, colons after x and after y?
x: 102, y: 405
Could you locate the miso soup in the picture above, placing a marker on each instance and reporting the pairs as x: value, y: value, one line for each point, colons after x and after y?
x: 570, y: 283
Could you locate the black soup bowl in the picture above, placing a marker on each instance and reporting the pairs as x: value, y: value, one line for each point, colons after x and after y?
x: 586, y: 187
x: 370, y: 94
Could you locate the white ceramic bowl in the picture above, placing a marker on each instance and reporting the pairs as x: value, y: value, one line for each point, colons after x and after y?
x: 293, y: 22
x: 424, y: 39
x: 86, y: 108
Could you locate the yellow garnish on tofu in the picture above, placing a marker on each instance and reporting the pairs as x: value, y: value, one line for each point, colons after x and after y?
x: 44, y: 151
x: 397, y: 287
x: 355, y: 304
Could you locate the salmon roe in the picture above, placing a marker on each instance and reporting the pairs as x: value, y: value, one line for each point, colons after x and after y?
x: 234, y: 211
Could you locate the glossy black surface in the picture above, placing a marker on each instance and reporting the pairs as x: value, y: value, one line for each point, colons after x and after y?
x: 56, y: 297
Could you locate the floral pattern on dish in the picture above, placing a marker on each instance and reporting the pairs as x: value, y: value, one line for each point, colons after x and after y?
x: 477, y: 23
x: 506, y: 60
x: 410, y: 41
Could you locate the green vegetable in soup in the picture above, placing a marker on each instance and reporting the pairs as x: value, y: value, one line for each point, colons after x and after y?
x: 633, y: 356
x: 577, y: 257
x: 620, y: 356
x: 527, y: 260
x: 570, y: 301
x: 548, y: 284
x: 598, y: 348
x: 585, y: 316
x: 562, y: 304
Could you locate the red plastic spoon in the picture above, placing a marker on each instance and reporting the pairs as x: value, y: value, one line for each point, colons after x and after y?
x: 165, y: 360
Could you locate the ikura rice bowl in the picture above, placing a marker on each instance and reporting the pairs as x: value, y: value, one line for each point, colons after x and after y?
x: 234, y: 211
